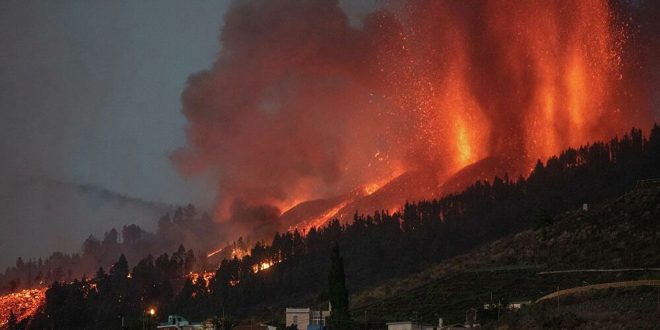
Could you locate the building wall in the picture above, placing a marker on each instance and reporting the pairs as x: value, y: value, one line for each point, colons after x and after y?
x: 408, y: 326
x: 299, y: 317
x: 400, y: 326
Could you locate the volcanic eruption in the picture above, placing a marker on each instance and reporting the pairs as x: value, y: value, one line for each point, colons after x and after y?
x: 312, y: 117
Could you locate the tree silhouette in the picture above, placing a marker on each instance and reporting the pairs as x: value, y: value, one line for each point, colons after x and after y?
x: 339, y: 316
x: 376, y: 247
x: 12, y: 322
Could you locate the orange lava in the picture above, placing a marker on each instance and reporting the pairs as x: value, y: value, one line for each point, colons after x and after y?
x: 305, y: 226
x: 426, y: 88
x: 23, y: 303
x: 239, y: 253
x: 262, y: 266
x: 205, y: 276
x: 547, y: 83
x: 212, y: 253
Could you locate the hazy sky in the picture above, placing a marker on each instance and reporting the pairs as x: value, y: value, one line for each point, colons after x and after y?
x: 90, y: 94
x: 90, y: 90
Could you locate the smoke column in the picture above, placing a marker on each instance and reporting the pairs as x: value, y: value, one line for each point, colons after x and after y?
x: 301, y: 105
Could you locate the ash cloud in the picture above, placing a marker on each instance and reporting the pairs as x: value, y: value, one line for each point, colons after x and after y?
x: 302, y: 103
x: 284, y: 107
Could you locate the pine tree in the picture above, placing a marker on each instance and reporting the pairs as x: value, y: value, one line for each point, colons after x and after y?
x: 339, y: 316
x: 119, y: 270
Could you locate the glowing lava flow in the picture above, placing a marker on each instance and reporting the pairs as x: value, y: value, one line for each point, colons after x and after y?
x: 306, y: 226
x: 23, y: 304
x: 205, y: 276
x: 429, y: 88
x: 212, y: 253
x: 236, y: 252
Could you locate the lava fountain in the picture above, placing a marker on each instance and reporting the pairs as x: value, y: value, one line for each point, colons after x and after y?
x: 305, y: 106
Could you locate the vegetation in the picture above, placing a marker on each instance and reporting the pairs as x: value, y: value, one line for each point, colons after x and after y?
x: 338, y: 295
x: 619, y: 235
x: 184, y: 225
x: 376, y: 247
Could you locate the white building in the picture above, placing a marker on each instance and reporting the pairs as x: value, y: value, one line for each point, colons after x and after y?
x: 408, y: 325
x: 518, y: 304
x: 306, y: 318
x: 176, y: 322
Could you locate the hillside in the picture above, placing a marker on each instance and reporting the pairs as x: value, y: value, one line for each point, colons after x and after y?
x: 566, y: 251
x: 465, y: 237
x: 58, y: 216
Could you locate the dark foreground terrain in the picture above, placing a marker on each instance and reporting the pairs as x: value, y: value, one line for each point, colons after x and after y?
x: 615, y: 241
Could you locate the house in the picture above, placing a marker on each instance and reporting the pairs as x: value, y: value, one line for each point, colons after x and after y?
x: 307, y: 318
x: 408, y: 325
x: 515, y: 305
x: 176, y: 322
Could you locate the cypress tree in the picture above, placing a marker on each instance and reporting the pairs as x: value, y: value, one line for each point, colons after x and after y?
x: 339, y: 316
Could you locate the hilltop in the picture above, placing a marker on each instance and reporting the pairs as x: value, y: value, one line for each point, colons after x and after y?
x: 491, y: 242
x: 569, y: 250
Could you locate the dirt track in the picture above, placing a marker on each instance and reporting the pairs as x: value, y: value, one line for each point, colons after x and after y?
x: 601, y: 286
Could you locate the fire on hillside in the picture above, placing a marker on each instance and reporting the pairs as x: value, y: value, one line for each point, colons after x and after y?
x: 363, y: 119
x: 23, y: 304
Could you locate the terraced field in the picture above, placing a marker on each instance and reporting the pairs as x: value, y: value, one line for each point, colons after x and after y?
x: 452, y: 295
x: 612, y: 242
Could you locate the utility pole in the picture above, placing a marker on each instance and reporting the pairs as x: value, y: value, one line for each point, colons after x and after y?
x: 224, y: 325
x: 416, y: 318
x: 365, y: 319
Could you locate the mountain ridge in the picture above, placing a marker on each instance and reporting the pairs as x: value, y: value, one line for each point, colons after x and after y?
x: 554, y: 253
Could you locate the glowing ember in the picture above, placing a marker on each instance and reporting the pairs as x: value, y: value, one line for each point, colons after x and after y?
x: 212, y: 253
x: 262, y: 266
x: 205, y: 276
x: 371, y: 188
x: 239, y: 253
x: 23, y: 303
x: 306, y: 226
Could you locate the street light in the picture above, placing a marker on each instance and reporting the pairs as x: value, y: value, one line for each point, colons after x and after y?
x: 151, y: 312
